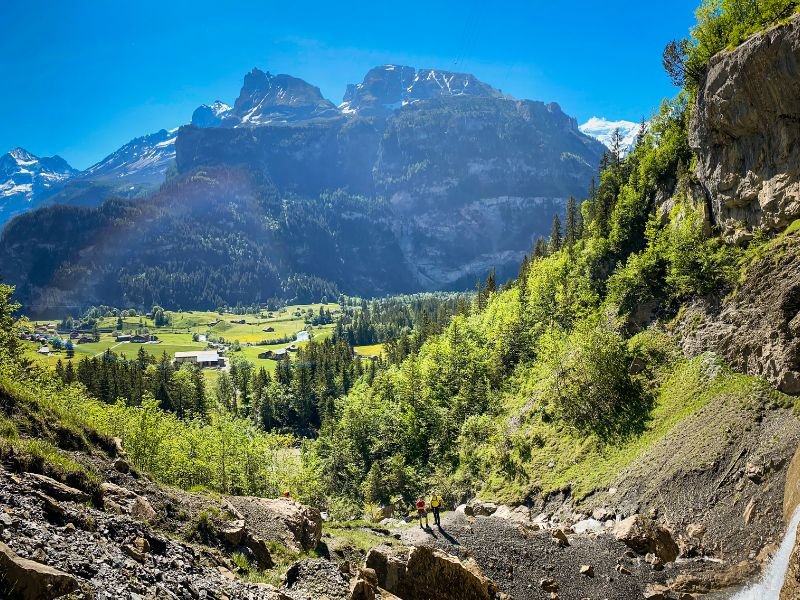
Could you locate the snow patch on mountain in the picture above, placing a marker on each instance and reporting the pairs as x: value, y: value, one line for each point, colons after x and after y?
x: 389, y: 87
x: 142, y: 160
x: 603, y: 130
x: 24, y: 177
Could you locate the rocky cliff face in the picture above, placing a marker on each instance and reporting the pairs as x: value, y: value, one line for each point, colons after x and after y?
x: 464, y: 194
x: 757, y: 328
x: 746, y: 132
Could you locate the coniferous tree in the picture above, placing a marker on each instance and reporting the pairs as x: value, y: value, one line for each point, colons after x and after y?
x: 571, y: 234
x: 617, y: 148
x: 641, y: 133
x: 491, y: 282
x: 69, y: 373
x: 480, y: 296
x: 556, y: 238
x: 540, y: 248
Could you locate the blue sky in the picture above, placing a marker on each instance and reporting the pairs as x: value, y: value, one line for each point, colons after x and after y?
x: 81, y: 78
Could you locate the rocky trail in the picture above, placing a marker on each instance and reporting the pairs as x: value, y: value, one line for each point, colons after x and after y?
x: 530, y: 564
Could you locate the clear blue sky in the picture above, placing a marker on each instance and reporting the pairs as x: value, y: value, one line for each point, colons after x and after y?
x: 81, y: 78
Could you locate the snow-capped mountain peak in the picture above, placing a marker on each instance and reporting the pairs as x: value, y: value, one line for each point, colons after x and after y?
x: 389, y: 87
x: 266, y: 98
x: 603, y: 130
x: 25, y: 177
x: 211, y: 115
x: 142, y: 160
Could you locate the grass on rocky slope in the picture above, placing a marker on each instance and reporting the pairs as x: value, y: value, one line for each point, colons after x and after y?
x: 38, y: 429
x: 545, y: 456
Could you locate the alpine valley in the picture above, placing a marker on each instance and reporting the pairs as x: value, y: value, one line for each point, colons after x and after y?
x: 418, y: 180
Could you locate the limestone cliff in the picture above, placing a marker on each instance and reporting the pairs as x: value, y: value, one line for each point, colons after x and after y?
x: 745, y: 130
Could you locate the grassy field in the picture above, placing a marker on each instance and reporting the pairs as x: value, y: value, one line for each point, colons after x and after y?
x: 373, y: 350
x: 177, y: 336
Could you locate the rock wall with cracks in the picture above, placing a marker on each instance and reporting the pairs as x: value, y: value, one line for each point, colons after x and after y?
x: 745, y: 129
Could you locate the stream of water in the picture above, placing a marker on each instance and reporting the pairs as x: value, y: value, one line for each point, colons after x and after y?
x: 769, y: 586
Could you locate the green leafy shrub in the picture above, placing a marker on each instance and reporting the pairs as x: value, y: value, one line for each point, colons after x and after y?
x: 587, y: 383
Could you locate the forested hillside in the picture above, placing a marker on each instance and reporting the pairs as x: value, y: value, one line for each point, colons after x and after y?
x: 559, y: 382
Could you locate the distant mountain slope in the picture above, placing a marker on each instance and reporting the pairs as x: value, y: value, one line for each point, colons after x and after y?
x: 142, y: 160
x: 428, y: 180
x: 137, y: 168
x: 25, y: 178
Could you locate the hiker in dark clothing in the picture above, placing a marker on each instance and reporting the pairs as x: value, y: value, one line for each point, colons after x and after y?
x: 436, y: 505
x: 421, y: 512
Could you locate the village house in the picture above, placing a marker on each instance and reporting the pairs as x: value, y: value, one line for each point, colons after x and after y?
x: 124, y: 338
x: 44, y: 350
x: 201, y: 358
x: 268, y: 329
x: 278, y: 354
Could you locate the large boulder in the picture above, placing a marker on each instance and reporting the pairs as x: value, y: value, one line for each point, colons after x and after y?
x: 429, y: 573
x: 29, y: 580
x: 477, y: 508
x: 57, y: 489
x: 745, y: 132
x: 295, y: 525
x: 645, y: 536
x: 122, y: 500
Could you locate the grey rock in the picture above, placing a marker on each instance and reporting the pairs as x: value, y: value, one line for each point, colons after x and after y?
x: 745, y: 131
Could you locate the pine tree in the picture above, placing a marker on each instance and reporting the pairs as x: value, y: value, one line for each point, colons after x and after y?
x: 642, y: 133
x: 120, y: 325
x: 524, y: 267
x: 617, y: 149
x: 540, y: 249
x: 69, y: 373
x: 480, y: 296
x: 571, y: 228
x: 555, y: 236
x: 491, y: 282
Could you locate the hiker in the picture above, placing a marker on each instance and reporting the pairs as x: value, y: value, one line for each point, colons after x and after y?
x: 436, y: 505
x: 421, y: 512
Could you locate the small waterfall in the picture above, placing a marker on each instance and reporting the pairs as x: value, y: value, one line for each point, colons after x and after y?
x: 769, y: 587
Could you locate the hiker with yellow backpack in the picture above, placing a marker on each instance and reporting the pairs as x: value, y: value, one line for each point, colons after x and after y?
x: 436, y: 505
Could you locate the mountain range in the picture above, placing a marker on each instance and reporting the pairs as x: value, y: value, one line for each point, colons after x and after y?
x: 285, y: 195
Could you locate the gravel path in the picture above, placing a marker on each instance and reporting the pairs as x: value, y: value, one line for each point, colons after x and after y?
x: 518, y: 559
